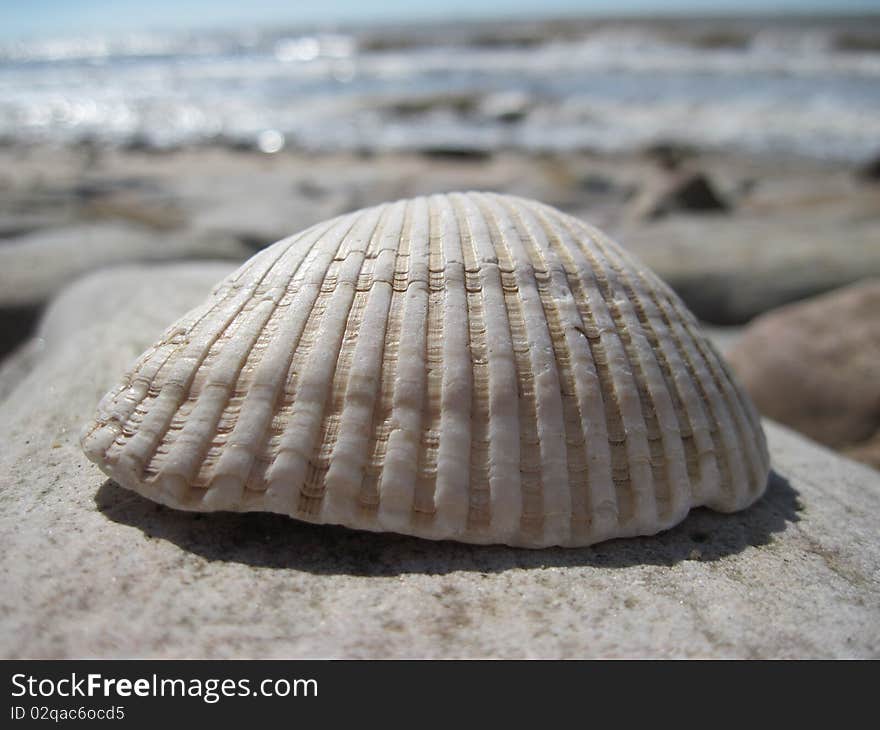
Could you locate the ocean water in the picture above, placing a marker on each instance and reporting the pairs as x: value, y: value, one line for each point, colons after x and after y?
x: 805, y: 88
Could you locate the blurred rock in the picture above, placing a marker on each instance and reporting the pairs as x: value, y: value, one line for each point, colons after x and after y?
x: 669, y: 155
x: 508, y: 107
x: 19, y: 224
x: 689, y: 191
x: 93, y: 187
x: 16, y: 366
x: 871, y: 169
x: 139, y: 200
x: 160, y: 215
x: 269, y: 214
x: 149, y: 293
x: 729, y: 270
x: 35, y: 266
x: 462, y: 153
x: 868, y: 452
x: 597, y: 184
x: 16, y: 325
x: 815, y: 366
x: 30, y: 209
x: 408, y: 106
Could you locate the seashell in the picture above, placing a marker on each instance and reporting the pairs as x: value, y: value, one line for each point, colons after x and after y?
x: 467, y: 366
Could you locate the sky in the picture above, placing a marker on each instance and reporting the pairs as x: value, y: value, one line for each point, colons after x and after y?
x: 38, y: 18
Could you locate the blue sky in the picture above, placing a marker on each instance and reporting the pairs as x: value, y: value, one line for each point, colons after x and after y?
x: 28, y: 18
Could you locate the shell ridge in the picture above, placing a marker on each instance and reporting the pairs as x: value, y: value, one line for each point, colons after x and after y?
x: 496, y: 441
x: 141, y: 448
x: 380, y: 424
x: 305, y: 459
x: 453, y: 484
x: 113, y: 416
x: 247, y: 456
x: 739, y: 449
x: 714, y: 471
x: 189, y: 455
x: 631, y: 457
x: 187, y: 448
x: 400, y: 473
x: 562, y: 317
x: 708, y: 394
x: 527, y: 425
x: 426, y: 481
x: 479, y: 512
x: 657, y: 289
x: 723, y: 408
x: 693, y: 427
x: 346, y: 490
x: 278, y: 486
x: 731, y: 402
x: 709, y: 454
x: 231, y: 473
x: 601, y: 497
x: 662, y: 416
x: 341, y: 449
x: 761, y: 459
x: 542, y: 444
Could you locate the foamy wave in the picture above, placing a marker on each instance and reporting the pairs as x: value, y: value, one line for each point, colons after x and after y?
x: 777, y: 89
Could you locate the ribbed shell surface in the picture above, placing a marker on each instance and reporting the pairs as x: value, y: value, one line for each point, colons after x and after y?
x: 469, y: 366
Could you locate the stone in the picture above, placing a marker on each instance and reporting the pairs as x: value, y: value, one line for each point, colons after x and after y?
x: 729, y: 270
x: 153, y: 213
x: 19, y: 224
x: 460, y: 153
x: 508, y: 107
x: 685, y: 191
x: 272, y: 210
x: 815, y: 365
x: 870, y: 170
x: 34, y: 267
x: 91, y: 569
x: 669, y: 155
x: 867, y: 451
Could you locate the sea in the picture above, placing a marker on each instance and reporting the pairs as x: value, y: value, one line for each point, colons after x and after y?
x: 792, y: 86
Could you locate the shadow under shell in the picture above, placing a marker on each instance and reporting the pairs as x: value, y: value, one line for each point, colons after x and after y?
x: 275, y: 541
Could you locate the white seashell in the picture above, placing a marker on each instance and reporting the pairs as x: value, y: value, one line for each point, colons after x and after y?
x: 468, y: 366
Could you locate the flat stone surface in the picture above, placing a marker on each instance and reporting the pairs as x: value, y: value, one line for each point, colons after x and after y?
x: 731, y: 269
x: 89, y: 569
x: 34, y: 266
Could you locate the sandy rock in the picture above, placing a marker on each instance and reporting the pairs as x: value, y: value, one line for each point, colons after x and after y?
x: 259, y: 220
x: 684, y: 191
x: 870, y: 170
x: 668, y: 154
x: 729, y: 270
x: 867, y: 451
x: 508, y: 107
x: 18, y: 224
x: 91, y: 569
x: 34, y: 267
x: 815, y: 365
x: 159, y: 215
